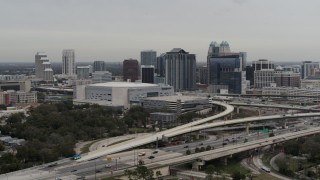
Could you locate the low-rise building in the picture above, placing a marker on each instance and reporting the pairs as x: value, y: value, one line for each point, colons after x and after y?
x: 177, y: 103
x: 310, y: 83
x: 163, y: 119
x: 290, y: 91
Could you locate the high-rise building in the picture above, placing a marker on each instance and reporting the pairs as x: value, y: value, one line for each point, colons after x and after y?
x: 161, y: 65
x: 99, y: 66
x: 149, y: 57
x: 101, y: 77
x: 262, y: 64
x: 68, y: 62
x: 180, y: 69
x: 83, y: 72
x: 263, y: 73
x: 250, y: 75
x: 287, y: 79
x: 130, y: 70
x: 203, y: 75
x: 226, y: 69
x: 263, y: 78
x: 147, y: 74
x: 308, y: 69
x: 43, y: 68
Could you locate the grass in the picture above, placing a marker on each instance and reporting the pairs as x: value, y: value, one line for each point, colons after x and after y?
x: 265, y: 176
x: 231, y: 167
x: 86, y: 147
x: 267, y: 157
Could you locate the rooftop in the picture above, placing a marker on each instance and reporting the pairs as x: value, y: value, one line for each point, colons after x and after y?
x: 176, y: 97
x: 124, y: 84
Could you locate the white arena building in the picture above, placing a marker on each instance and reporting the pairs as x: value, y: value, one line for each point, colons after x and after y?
x: 121, y: 93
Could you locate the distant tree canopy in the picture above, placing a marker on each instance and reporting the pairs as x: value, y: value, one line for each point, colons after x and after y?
x: 52, y: 130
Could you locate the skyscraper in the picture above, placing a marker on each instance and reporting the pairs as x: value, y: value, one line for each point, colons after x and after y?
x: 149, y: 57
x: 99, y: 66
x: 43, y: 68
x: 308, y: 69
x: 180, y: 69
x: 161, y: 65
x: 226, y: 69
x: 147, y: 74
x: 130, y: 70
x: 83, y: 72
x: 68, y: 62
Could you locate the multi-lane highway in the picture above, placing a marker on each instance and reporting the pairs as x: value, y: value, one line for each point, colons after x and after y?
x: 83, y: 167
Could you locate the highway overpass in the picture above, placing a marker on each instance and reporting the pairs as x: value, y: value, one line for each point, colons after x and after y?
x: 154, y: 136
x: 273, y: 106
x: 242, y: 120
x: 228, y: 150
x: 190, y: 127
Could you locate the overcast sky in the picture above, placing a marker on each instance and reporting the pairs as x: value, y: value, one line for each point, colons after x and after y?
x: 113, y: 30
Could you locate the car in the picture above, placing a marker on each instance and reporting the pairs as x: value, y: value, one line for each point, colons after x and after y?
x: 142, y: 154
x: 155, y: 152
x: 226, y: 140
x: 107, y: 166
x: 224, y: 143
x: 98, y: 171
x: 58, y: 178
x: 186, y: 146
x: 74, y: 170
x: 151, y: 157
x: 103, y: 145
x: 200, y: 144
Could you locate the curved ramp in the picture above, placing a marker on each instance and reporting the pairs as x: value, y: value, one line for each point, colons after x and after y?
x: 152, y: 137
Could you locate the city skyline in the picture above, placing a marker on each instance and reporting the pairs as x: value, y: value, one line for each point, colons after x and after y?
x: 118, y: 30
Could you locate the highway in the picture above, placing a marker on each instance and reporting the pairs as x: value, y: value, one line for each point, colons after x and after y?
x: 242, y: 120
x: 273, y: 106
x: 84, y: 167
x: 233, y: 149
x: 154, y: 136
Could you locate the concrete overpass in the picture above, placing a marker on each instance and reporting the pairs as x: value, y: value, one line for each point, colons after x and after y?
x: 154, y: 136
x: 187, y: 128
x: 233, y: 149
x: 200, y: 158
x: 274, y: 106
x: 242, y: 120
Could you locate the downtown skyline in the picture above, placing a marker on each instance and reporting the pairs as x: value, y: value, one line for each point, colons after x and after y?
x: 117, y: 30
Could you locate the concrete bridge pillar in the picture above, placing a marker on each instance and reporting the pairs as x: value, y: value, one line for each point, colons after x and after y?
x: 225, y: 161
x: 197, y: 135
x: 198, y: 164
x: 247, y: 128
x: 259, y: 111
x: 238, y: 109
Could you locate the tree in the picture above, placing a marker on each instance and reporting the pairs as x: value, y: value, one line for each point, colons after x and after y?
x: 202, y: 149
x: 238, y: 176
x: 139, y: 173
x: 208, y: 148
x: 158, y: 174
x: 1, y: 147
x: 188, y: 152
x: 209, y: 171
x: 197, y: 150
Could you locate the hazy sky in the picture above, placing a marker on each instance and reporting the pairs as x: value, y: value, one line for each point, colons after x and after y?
x: 113, y: 30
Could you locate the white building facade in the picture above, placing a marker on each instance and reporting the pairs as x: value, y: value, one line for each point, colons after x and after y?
x: 68, y: 62
x: 123, y: 93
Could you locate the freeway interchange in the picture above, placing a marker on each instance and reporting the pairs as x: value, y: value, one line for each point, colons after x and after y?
x: 125, y: 155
